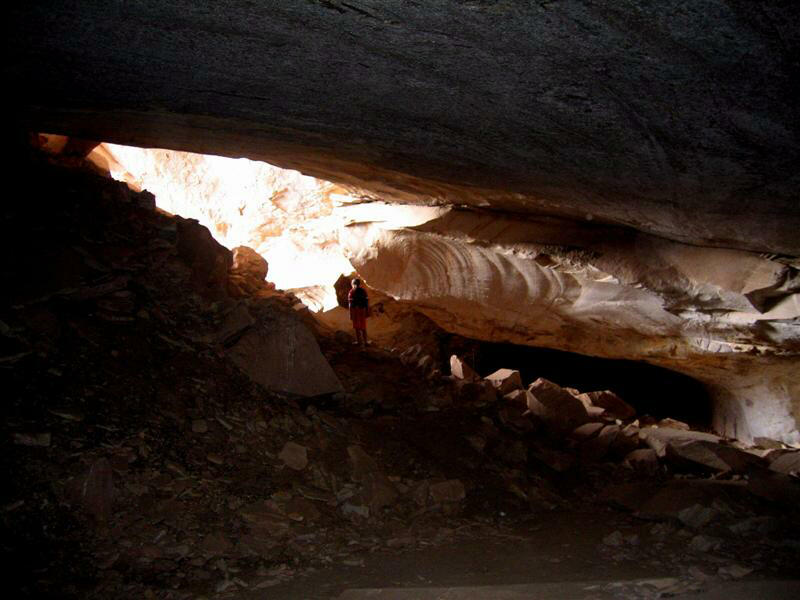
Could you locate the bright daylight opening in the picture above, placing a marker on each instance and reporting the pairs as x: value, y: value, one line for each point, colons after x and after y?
x: 288, y: 218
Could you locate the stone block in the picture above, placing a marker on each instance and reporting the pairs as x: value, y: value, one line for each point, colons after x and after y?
x: 505, y: 380
x: 462, y: 370
x: 555, y: 406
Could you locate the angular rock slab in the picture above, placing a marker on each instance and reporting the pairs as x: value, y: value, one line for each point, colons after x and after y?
x: 696, y: 454
x: 363, y: 464
x: 505, y: 380
x: 586, y: 431
x: 236, y: 322
x: 776, y: 487
x: 282, y: 355
x: 462, y: 370
x: 556, y: 406
x: 788, y: 463
x: 294, y: 456
x: 610, y: 401
x: 710, y: 456
x: 643, y: 460
x: 658, y: 438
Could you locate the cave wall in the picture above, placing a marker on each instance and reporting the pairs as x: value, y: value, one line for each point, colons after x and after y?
x: 625, y: 173
x: 728, y: 318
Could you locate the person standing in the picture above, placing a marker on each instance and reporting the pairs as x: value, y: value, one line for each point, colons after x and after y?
x: 358, y: 302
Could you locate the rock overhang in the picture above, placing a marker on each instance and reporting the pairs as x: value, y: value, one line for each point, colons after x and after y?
x: 672, y: 118
x: 593, y: 120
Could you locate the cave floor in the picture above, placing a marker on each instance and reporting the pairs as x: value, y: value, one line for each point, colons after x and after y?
x: 186, y: 520
x: 205, y: 508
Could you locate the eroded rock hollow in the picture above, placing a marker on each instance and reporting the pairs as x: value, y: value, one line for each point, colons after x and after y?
x: 613, y: 179
x: 726, y: 317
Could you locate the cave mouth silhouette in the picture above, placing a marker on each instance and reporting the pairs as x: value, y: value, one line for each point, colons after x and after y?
x: 651, y: 390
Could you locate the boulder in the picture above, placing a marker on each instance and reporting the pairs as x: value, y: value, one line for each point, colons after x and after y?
x: 775, y: 487
x: 280, y: 353
x: 451, y: 490
x: 505, y: 380
x: 555, y: 406
x: 517, y: 397
x: 767, y: 443
x: 294, y: 456
x: 598, y: 447
x: 462, y: 370
x: 626, y: 442
x: 643, y: 460
x: 478, y: 392
x: 362, y: 463
x: 235, y: 323
x: 249, y: 263
x: 674, y: 424
x: 710, y: 456
x: 657, y: 438
x: 343, y: 286
x: 697, y: 516
x: 788, y: 463
x: 739, y: 461
x: 671, y: 501
x: 610, y: 402
x: 208, y: 260
x: 513, y: 417
x: 695, y: 455
x: 247, y: 273
x: 586, y: 431
x: 597, y: 412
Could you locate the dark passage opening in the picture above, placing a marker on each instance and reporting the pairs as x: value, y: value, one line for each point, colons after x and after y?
x: 651, y: 390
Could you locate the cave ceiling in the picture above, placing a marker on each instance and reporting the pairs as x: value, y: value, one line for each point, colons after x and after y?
x: 676, y: 118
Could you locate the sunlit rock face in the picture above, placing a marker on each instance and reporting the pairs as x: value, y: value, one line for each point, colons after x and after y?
x: 282, y: 214
x: 727, y: 317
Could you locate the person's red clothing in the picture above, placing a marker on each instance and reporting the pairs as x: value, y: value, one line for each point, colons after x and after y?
x: 358, y: 314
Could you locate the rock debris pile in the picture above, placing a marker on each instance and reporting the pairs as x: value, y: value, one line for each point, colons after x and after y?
x: 600, y: 426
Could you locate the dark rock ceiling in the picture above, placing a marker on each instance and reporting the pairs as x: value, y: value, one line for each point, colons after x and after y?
x: 676, y: 117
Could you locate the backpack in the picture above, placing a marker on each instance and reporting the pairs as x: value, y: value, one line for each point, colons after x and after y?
x: 359, y: 298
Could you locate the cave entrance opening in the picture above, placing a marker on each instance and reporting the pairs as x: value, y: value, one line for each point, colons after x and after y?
x: 651, y: 390
x: 290, y: 219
